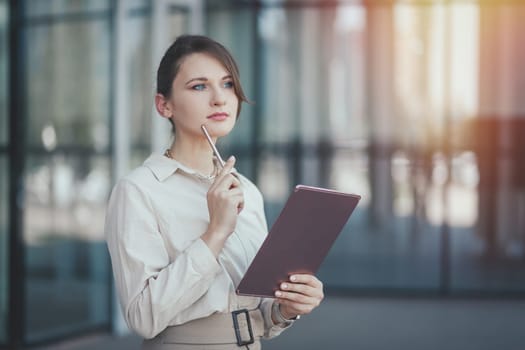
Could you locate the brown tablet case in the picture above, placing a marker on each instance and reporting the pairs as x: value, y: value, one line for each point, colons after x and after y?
x: 300, y: 238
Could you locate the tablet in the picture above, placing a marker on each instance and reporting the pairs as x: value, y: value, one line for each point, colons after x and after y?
x: 299, y: 240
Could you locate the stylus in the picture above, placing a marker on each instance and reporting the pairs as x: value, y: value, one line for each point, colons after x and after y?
x: 212, y: 145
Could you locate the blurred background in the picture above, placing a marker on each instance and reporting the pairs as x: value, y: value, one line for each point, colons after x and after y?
x: 418, y: 106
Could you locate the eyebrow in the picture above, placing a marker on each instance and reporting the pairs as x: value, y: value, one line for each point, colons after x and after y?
x: 229, y: 76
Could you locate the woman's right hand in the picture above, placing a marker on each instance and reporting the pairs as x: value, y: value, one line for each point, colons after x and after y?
x: 225, y: 199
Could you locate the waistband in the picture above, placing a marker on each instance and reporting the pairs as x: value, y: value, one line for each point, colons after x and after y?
x: 239, y: 327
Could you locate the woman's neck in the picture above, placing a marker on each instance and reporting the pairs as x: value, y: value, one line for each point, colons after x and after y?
x: 197, y: 155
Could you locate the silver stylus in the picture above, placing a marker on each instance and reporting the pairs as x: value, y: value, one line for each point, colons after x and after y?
x: 215, y: 150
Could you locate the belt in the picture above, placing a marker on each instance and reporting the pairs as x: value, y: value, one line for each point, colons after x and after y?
x: 240, y: 327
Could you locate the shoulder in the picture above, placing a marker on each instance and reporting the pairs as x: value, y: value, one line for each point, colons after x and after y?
x: 136, y: 178
x: 147, y: 174
x: 136, y: 183
x: 139, y: 176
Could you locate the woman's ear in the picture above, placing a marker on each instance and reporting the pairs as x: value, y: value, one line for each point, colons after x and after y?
x: 163, y: 106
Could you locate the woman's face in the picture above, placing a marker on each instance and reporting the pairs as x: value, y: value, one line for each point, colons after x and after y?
x: 202, y: 93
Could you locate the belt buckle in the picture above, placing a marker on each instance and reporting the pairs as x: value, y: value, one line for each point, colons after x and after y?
x: 235, y: 315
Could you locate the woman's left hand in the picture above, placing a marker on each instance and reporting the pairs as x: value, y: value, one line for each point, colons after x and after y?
x: 300, y: 295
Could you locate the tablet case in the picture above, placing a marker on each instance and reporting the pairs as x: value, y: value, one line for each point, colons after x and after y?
x: 299, y: 240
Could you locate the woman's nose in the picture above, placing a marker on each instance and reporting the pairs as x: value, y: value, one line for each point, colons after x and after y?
x: 218, y: 97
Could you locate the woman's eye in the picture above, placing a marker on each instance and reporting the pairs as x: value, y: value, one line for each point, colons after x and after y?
x: 198, y: 87
x: 228, y: 84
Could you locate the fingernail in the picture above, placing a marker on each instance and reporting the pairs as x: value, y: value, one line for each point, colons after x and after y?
x: 293, y: 278
x: 232, y: 158
x: 284, y: 286
x: 278, y: 294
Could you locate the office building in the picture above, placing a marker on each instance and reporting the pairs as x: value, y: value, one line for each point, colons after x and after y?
x: 417, y: 106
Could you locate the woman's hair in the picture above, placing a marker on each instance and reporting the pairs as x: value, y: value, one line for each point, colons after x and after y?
x: 186, y: 45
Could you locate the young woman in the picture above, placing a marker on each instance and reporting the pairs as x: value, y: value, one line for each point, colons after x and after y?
x: 182, y: 231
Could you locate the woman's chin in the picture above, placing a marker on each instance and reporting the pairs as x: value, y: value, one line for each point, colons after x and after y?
x: 219, y: 129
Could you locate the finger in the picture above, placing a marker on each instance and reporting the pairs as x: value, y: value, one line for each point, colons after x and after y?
x: 225, y: 183
x: 228, y: 166
x: 235, y: 191
x: 306, y: 279
x: 233, y: 201
x: 235, y: 180
x: 302, y: 289
x: 240, y: 207
x: 295, y: 297
x: 296, y: 308
x: 300, y: 298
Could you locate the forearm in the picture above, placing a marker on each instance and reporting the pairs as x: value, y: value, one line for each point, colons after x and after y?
x: 174, y: 288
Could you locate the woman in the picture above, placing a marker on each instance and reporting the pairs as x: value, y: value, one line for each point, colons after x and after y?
x: 181, y: 231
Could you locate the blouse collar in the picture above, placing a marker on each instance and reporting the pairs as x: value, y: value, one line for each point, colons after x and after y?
x: 163, y: 167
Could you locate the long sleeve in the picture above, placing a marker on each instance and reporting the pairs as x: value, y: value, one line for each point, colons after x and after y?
x: 271, y: 330
x: 165, y: 275
x: 152, y: 286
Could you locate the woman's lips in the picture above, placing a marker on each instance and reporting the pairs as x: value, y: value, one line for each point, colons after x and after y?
x: 218, y: 116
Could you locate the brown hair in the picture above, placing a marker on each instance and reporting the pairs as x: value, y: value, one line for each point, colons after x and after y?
x: 186, y: 45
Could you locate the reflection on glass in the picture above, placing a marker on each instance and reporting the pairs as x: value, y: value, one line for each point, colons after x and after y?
x: 66, y: 259
x: 61, y: 7
x: 240, y: 44
x: 349, y: 173
x: 312, y: 70
x: 4, y: 170
x: 4, y: 81
x: 488, y: 239
x: 67, y: 269
x: 141, y: 87
x: 274, y: 183
x: 74, y: 59
x: 141, y: 77
x: 274, y: 177
x: 4, y: 263
x: 377, y: 100
x: 402, y: 254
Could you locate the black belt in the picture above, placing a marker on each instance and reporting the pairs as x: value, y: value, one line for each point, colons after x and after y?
x: 236, y: 325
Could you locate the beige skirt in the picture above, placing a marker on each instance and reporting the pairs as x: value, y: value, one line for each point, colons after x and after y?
x: 215, y: 332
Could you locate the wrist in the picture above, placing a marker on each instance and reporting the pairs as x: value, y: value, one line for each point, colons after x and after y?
x: 286, y: 315
x: 282, y: 318
x: 214, y: 240
x: 218, y: 232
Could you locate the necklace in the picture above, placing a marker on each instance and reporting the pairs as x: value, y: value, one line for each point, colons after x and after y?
x: 169, y: 155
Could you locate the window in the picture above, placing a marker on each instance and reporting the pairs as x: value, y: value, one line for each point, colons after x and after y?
x: 67, y: 171
x: 4, y: 171
x: 380, y: 100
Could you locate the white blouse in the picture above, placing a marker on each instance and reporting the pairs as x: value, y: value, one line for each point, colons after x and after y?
x: 165, y: 274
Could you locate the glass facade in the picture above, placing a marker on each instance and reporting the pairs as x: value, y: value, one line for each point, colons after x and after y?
x: 67, y: 173
x: 398, y: 102
x: 377, y: 100
x: 4, y: 259
x: 4, y: 97
x: 242, y: 141
x: 66, y: 258
x: 141, y: 73
x: 140, y: 87
x: 35, y: 8
x: 4, y: 170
